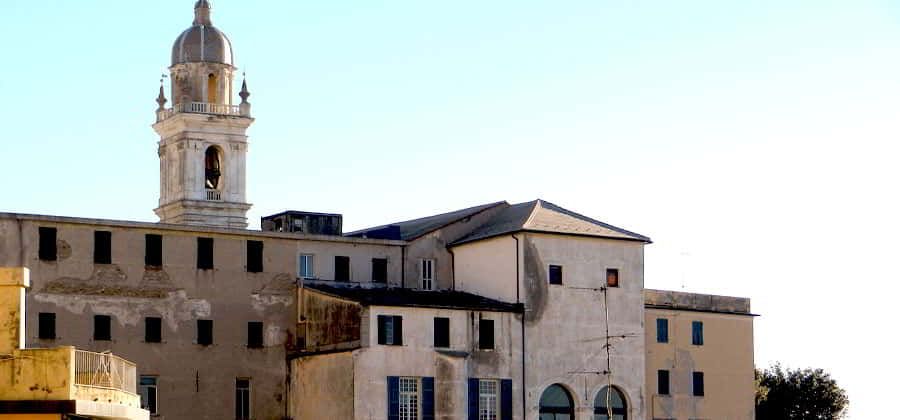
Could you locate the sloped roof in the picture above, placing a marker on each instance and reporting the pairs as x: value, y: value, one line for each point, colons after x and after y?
x: 383, y: 296
x: 543, y: 216
x: 412, y: 229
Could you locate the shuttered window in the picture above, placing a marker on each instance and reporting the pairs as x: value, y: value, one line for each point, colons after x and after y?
x: 410, y: 398
x: 490, y: 399
x: 390, y: 330
x: 662, y: 330
x: 697, y: 333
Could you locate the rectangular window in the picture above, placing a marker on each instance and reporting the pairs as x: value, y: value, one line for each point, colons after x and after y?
x: 148, y: 393
x: 152, y: 330
x: 47, y: 243
x: 390, y: 330
x: 409, y: 399
x: 305, y: 267
x: 697, y: 333
x: 612, y: 277
x: 254, y: 256
x: 442, y: 332
x: 102, y: 247
x: 487, y: 399
x: 242, y: 399
x: 204, y: 332
x: 555, y: 274
x: 427, y: 274
x: 662, y: 330
x: 486, y: 334
x: 102, y: 328
x: 341, y: 268
x: 47, y: 326
x: 255, y: 335
x: 204, y: 253
x: 153, y: 250
x: 698, y: 384
x: 662, y: 382
x: 379, y: 270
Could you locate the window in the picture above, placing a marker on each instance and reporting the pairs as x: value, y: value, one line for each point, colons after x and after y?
x: 556, y: 404
x: 487, y: 399
x: 409, y: 398
x: 102, y: 247
x: 152, y: 330
x: 205, y: 253
x: 442, y: 332
x: 490, y: 399
x: 47, y: 326
x: 662, y: 330
x: 148, y: 393
x: 486, y: 334
x: 390, y: 330
x: 697, y: 333
x: 610, y: 399
x: 379, y: 270
x: 204, y: 332
x: 254, y: 256
x: 242, y: 399
x: 427, y: 274
x: 254, y: 334
x: 153, y: 250
x: 698, y: 384
x: 341, y: 268
x: 662, y: 382
x: 47, y: 243
x: 305, y: 264
x: 612, y: 277
x: 102, y: 328
x: 555, y: 274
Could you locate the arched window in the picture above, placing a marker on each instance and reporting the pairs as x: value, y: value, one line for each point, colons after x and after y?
x: 213, y: 168
x: 212, y: 88
x: 556, y: 404
x: 610, y: 398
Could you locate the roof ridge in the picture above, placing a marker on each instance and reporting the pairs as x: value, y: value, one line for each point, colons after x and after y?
x: 532, y: 213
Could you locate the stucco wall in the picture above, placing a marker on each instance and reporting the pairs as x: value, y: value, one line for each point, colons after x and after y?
x: 488, y: 268
x: 328, y: 323
x: 322, y: 387
x: 725, y: 358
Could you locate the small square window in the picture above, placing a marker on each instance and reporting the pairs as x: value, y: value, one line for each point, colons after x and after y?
x: 255, y: 335
x: 152, y: 330
x: 379, y: 270
x: 555, y: 274
x: 486, y: 334
x: 204, y: 332
x: 102, y: 247
x: 390, y: 330
x: 697, y: 333
x: 442, y: 332
x: 662, y: 330
x: 47, y: 326
x: 102, y: 328
x: 612, y: 277
x: 698, y: 384
x: 47, y: 243
x: 341, y: 268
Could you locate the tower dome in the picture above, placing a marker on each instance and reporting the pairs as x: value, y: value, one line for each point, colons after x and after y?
x: 202, y: 42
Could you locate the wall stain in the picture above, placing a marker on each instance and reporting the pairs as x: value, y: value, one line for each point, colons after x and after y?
x: 536, y: 288
x: 63, y: 250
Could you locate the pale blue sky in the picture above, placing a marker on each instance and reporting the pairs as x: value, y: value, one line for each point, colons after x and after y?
x: 753, y: 141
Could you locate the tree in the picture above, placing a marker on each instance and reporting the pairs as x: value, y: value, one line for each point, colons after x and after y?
x: 807, y: 394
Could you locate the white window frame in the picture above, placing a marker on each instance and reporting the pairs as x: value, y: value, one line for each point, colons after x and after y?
x: 427, y: 274
x: 249, y: 397
x: 143, y: 391
x: 410, y: 398
x: 488, y: 399
x: 311, y: 266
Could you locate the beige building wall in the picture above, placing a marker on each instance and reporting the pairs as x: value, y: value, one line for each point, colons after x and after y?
x: 725, y: 358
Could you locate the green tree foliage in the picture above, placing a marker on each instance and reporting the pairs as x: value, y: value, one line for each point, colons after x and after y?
x: 800, y: 394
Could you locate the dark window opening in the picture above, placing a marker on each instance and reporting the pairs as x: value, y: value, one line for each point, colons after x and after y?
x: 662, y: 382
x: 697, y: 333
x: 47, y: 326
x: 379, y: 270
x: 47, y: 243
x: 204, y: 332
x: 152, y: 330
x: 148, y: 393
x: 555, y: 275
x: 254, y: 256
x: 153, y: 250
x: 662, y: 330
x: 205, y: 253
x: 102, y: 328
x: 341, y: 268
x: 612, y: 277
x: 486, y: 334
x: 698, y: 384
x: 442, y: 332
x: 102, y: 247
x: 255, y: 335
x: 242, y: 399
x: 390, y: 330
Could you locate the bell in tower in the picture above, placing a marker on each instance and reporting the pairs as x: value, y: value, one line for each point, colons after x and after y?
x: 203, y: 140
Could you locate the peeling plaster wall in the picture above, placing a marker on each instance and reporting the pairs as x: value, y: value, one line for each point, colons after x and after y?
x: 725, y: 358
x: 328, y: 323
x: 322, y: 387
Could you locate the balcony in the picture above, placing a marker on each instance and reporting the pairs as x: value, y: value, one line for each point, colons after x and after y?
x: 104, y: 371
x: 201, y: 108
x: 213, y: 195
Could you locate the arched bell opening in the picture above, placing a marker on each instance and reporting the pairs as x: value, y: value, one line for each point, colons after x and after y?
x: 212, y: 88
x: 213, y: 164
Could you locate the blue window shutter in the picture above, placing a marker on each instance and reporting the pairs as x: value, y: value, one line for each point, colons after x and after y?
x: 473, y: 398
x: 393, y: 395
x: 662, y: 330
x: 506, y: 401
x: 697, y: 336
x: 427, y: 398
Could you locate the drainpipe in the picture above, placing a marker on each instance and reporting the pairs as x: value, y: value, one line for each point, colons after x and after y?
x: 522, y: 324
x: 452, y: 268
x: 403, y: 266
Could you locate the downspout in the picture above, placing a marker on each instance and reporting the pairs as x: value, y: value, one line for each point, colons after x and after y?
x: 522, y: 306
x: 403, y: 266
x: 452, y: 268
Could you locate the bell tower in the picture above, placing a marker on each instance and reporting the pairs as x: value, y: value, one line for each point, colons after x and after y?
x: 203, y: 135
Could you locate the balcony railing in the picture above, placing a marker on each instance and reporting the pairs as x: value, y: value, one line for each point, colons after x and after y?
x: 200, y: 108
x: 104, y: 370
x: 213, y: 195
